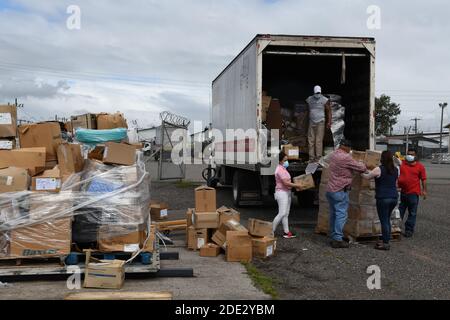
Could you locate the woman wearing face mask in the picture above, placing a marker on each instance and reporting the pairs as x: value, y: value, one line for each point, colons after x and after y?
x: 283, y: 195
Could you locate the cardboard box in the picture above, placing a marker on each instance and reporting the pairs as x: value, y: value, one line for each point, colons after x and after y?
x: 85, y: 121
x: 106, y: 121
x: 7, y: 144
x: 239, y: 247
x: 32, y: 159
x: 226, y: 214
x: 373, y: 158
x: 206, y: 220
x: 189, y: 217
x: 209, y: 250
x: 48, y: 181
x: 264, y: 247
x: 293, y: 153
x: 14, y: 179
x: 306, y: 181
x: 119, y: 153
x: 45, y: 134
x: 8, y: 121
x: 196, y: 238
x: 149, y: 239
x: 70, y: 159
x: 220, y: 235
x: 259, y: 228
x: 46, y: 239
x: 104, y: 274
x: 159, y: 211
x: 205, y: 199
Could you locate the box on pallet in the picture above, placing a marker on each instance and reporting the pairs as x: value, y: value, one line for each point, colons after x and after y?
x: 220, y: 236
x: 264, y: 247
x: 8, y: 121
x: 14, y: 179
x: 104, y: 274
x: 205, y: 199
x: 70, y: 159
x: 190, y: 216
x: 196, y: 238
x: 159, y: 210
x: 209, y: 250
x: 226, y: 214
x: 85, y: 121
x: 45, y: 134
x: 119, y: 153
x: 116, y: 238
x: 372, y: 158
x: 206, y: 220
x: 32, y: 159
x: 106, y: 121
x: 45, y: 239
x: 259, y: 228
x: 238, y: 247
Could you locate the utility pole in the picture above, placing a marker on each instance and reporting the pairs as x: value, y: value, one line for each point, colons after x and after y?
x: 416, y: 131
x: 442, y: 106
x: 407, y: 132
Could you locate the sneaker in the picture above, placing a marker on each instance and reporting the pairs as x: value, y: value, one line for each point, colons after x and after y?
x: 339, y: 244
x: 289, y: 235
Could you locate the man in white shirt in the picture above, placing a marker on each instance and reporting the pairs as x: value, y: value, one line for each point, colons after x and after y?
x: 319, y: 115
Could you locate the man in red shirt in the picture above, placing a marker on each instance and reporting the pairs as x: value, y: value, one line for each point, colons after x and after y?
x: 412, y: 174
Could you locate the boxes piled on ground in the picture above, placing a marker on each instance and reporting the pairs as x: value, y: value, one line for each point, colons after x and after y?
x: 263, y: 240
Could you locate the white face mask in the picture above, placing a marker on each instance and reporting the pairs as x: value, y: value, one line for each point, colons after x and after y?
x: 410, y: 158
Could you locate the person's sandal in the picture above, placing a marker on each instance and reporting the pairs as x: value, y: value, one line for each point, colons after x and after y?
x: 383, y: 247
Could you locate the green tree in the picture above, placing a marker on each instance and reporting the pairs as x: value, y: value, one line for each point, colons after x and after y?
x: 386, y: 113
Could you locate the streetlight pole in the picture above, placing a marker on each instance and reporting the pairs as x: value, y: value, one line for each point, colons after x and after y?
x: 442, y: 106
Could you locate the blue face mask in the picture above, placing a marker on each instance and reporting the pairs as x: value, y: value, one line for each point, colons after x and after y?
x: 286, y: 164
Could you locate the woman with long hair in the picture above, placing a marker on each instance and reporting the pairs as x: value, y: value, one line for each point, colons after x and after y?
x: 386, y: 177
x: 283, y: 195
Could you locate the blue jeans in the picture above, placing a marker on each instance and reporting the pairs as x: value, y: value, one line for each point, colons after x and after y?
x: 410, y: 202
x: 338, y: 202
x: 385, y: 208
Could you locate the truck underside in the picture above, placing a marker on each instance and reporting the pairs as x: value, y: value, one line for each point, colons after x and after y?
x: 289, y: 74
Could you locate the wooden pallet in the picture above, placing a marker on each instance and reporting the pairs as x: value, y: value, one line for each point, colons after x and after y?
x: 30, y: 261
x: 168, y: 226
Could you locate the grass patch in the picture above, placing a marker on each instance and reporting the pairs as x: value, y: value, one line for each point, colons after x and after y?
x: 185, y: 184
x: 261, y: 281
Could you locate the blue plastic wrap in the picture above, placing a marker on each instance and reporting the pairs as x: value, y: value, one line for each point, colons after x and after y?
x: 94, y: 137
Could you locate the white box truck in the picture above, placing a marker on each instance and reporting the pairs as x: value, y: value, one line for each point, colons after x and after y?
x: 288, y: 67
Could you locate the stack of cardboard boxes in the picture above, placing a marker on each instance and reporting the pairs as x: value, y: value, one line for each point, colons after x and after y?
x: 212, y: 230
x: 101, y: 121
x: 363, y: 218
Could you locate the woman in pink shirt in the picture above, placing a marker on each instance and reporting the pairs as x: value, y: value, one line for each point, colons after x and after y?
x: 283, y: 195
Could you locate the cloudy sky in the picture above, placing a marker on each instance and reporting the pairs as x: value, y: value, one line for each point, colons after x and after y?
x: 146, y: 56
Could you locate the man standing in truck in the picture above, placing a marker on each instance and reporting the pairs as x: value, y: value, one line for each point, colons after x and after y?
x: 319, y: 118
